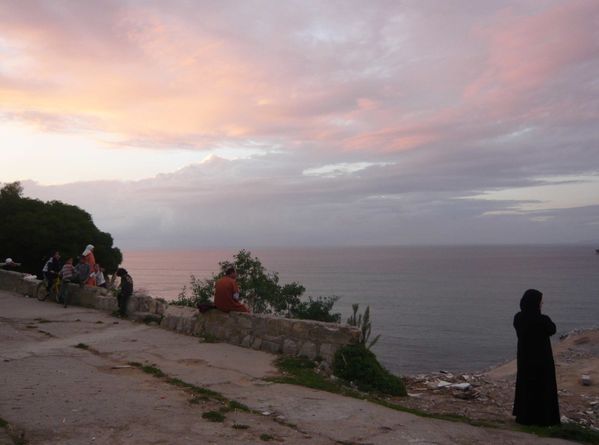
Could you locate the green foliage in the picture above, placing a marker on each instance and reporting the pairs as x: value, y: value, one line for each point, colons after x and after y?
x: 261, y: 290
x: 201, y: 292
x: 152, y: 370
x: 319, y: 309
x: 363, y: 323
x: 266, y: 437
x: 30, y: 230
x: 568, y: 431
x: 355, y: 363
x: 214, y: 416
x: 301, y: 371
x: 238, y: 406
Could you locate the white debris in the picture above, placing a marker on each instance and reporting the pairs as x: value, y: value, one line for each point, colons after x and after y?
x: 443, y: 384
x: 462, y: 386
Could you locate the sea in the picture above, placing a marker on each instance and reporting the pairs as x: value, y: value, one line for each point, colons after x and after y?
x: 436, y: 308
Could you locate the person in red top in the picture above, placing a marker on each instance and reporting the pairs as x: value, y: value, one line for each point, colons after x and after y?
x: 226, y: 293
x: 88, y: 258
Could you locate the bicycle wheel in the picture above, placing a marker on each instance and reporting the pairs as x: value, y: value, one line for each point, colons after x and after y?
x: 42, y: 291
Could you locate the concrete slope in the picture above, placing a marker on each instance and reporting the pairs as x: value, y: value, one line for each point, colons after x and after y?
x: 59, y: 394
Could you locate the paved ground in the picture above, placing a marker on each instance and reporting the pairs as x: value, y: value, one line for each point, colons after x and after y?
x: 56, y: 393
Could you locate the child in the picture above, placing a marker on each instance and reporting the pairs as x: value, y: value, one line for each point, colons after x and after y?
x: 125, y: 290
x: 66, y: 273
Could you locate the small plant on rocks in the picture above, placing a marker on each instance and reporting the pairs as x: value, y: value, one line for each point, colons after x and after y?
x: 363, y: 322
x: 357, y: 364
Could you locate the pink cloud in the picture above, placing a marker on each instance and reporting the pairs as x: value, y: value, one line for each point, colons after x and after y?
x: 526, y: 52
x: 352, y: 78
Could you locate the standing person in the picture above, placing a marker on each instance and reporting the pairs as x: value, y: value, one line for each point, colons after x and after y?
x: 226, y: 293
x: 535, y: 402
x: 66, y: 273
x: 88, y: 258
x: 51, y: 269
x: 125, y: 290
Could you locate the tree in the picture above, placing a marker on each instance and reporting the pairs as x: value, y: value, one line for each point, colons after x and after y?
x: 30, y: 230
x: 262, y: 291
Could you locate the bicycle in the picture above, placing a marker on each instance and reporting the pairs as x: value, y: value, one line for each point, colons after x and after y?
x: 42, y: 289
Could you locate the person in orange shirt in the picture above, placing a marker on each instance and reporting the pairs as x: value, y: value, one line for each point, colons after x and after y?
x: 226, y: 293
x: 88, y: 258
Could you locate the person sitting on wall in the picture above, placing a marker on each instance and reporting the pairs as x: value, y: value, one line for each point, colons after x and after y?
x: 226, y: 293
x: 51, y: 269
x: 8, y: 263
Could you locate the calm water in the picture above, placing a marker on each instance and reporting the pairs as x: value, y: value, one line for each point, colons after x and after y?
x: 435, y: 307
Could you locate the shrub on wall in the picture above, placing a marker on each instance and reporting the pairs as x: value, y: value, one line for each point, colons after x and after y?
x: 357, y: 364
x: 260, y: 289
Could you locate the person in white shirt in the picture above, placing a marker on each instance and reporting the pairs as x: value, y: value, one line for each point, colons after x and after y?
x: 98, y: 274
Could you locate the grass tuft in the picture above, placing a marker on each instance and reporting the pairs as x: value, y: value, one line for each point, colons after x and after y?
x: 568, y: 431
x: 213, y: 416
x: 234, y: 405
x: 82, y: 346
x: 240, y: 426
x: 196, y: 400
x: 300, y: 371
x: 266, y: 437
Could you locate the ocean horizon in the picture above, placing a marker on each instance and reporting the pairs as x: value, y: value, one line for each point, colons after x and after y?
x: 436, y: 307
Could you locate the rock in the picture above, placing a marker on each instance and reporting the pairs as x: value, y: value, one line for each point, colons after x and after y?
x: 585, y: 380
x: 465, y: 395
x: 289, y: 347
x: 582, y: 340
x: 308, y: 350
x: 461, y: 386
x: 447, y: 374
x: 443, y: 384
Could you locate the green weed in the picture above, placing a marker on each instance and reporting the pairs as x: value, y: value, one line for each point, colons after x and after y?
x: 213, y: 416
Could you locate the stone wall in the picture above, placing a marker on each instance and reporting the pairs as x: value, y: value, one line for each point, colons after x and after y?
x: 306, y: 338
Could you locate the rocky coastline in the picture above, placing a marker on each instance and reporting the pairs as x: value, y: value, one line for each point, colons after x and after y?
x: 488, y: 395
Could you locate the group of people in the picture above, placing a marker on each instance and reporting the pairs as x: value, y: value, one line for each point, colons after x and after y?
x: 87, y: 272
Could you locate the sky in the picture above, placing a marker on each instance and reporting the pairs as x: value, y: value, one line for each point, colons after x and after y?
x: 183, y: 124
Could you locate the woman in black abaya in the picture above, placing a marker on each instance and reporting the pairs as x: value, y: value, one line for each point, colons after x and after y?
x: 536, y: 401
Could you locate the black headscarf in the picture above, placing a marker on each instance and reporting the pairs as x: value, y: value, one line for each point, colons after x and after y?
x: 530, y: 303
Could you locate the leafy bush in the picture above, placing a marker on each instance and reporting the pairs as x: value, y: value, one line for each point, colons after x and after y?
x: 355, y: 363
x: 318, y: 309
x: 261, y: 290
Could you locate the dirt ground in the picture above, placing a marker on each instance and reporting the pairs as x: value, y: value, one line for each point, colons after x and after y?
x: 490, y: 394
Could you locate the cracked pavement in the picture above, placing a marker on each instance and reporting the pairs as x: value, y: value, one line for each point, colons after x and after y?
x: 56, y: 393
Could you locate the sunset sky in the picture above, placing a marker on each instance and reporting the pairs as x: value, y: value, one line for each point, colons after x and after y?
x: 265, y: 123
